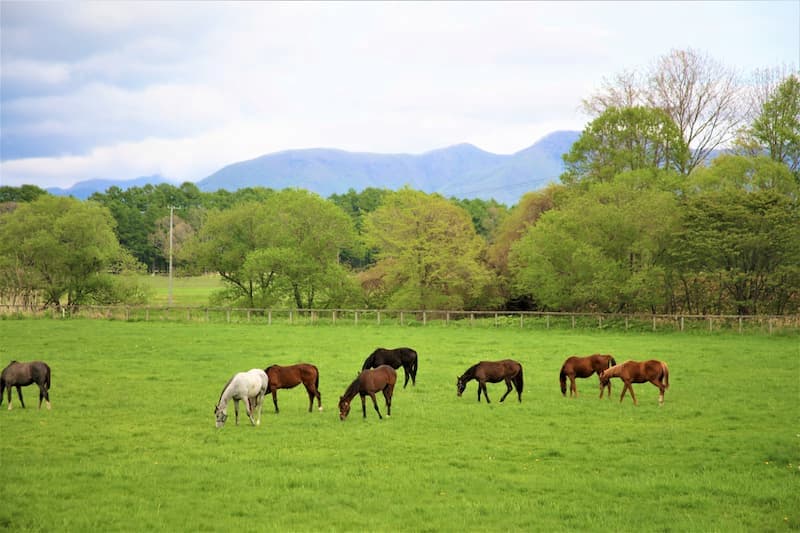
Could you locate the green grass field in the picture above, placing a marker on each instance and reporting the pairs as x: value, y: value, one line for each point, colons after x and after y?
x: 186, y: 291
x: 130, y: 443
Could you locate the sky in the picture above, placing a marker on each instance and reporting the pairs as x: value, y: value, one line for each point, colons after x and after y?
x: 119, y: 90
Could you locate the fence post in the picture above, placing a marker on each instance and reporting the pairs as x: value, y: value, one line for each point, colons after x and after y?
x: 654, y: 322
x: 424, y: 318
x: 401, y: 318
x: 356, y: 318
x: 573, y: 321
x: 379, y: 317
x: 740, y: 324
x: 682, y: 322
x: 547, y: 321
x: 710, y: 324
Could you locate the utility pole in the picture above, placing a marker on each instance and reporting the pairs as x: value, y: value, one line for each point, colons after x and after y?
x: 171, y: 211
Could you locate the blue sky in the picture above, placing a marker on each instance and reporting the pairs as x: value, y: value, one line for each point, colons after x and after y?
x: 120, y: 90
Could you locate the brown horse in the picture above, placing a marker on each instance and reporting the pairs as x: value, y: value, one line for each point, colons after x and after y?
x: 654, y: 371
x: 493, y: 372
x: 21, y: 375
x: 584, y: 367
x: 369, y: 382
x: 287, y: 377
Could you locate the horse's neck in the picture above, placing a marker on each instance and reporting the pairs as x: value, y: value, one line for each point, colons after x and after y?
x: 226, y: 395
x: 352, y: 390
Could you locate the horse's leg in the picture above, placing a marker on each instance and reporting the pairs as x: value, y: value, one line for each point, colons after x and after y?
x: 19, y: 393
x: 630, y: 387
x: 573, y: 388
x: 387, y: 395
x: 508, y: 384
x: 624, y: 388
x: 236, y: 410
x: 375, y: 405
x: 259, y: 407
x: 364, y: 405
x: 250, y: 408
x: 485, y: 392
x: 275, y: 399
x: 407, y: 373
x: 658, y: 383
x: 310, y: 397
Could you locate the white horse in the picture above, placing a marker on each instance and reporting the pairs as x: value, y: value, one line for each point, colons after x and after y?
x: 248, y: 386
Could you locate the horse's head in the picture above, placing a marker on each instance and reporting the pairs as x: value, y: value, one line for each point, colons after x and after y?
x: 605, y: 377
x: 221, y: 414
x: 344, y: 408
x: 461, y: 384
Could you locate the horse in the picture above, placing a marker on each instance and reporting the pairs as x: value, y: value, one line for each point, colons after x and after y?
x: 287, y: 377
x: 584, y: 367
x: 20, y: 375
x: 395, y: 358
x: 654, y: 371
x: 248, y: 386
x: 369, y: 382
x: 493, y: 372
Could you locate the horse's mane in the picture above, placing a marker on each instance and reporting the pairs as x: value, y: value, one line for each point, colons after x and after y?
x: 470, y: 373
x: 352, y: 389
x: 224, y: 389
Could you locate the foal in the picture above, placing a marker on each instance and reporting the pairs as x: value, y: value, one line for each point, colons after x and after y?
x: 654, y: 371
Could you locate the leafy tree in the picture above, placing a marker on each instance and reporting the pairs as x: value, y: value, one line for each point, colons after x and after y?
x: 23, y: 193
x: 486, y: 215
x: 776, y: 130
x: 58, y: 247
x: 599, y: 251
x: 740, y: 238
x: 285, y: 248
x: 624, y: 139
x: 358, y: 206
x: 428, y: 252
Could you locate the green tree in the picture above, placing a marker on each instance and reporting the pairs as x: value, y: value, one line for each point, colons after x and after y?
x: 57, y: 247
x: 776, y: 131
x: 284, y: 249
x: 600, y: 251
x: 23, y: 193
x: 621, y: 140
x: 429, y: 255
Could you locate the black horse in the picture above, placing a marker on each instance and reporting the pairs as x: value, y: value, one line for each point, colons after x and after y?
x: 405, y: 357
x: 506, y: 370
x: 21, y: 375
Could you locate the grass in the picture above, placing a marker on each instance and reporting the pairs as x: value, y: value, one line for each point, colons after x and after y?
x: 186, y: 291
x: 130, y: 444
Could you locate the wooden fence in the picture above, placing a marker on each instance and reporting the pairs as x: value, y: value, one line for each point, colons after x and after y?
x: 527, y: 319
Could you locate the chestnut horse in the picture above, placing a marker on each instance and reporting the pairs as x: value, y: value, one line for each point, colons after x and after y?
x: 494, y: 372
x: 395, y: 358
x: 287, y: 377
x: 584, y: 367
x: 654, y: 371
x: 369, y: 382
x: 21, y: 375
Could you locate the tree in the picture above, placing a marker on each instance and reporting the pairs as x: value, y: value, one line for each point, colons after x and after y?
x: 602, y: 250
x: 621, y: 140
x: 776, y: 130
x: 428, y: 252
x: 56, y: 247
x: 285, y: 248
x: 701, y: 96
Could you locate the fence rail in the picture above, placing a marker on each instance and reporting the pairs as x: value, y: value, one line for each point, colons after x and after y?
x: 521, y: 319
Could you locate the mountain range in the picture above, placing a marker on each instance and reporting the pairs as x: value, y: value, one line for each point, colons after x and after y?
x: 462, y: 171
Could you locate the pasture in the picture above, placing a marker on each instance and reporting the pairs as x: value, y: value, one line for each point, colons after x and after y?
x: 131, y: 444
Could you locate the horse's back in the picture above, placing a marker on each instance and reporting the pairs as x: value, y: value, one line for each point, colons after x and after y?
x: 255, y: 381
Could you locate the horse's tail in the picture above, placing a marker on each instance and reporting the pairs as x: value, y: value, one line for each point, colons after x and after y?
x: 2, y: 389
x: 665, y: 372
x: 611, y: 361
x: 562, y: 377
x: 414, y: 365
x: 47, y: 377
x: 518, y: 381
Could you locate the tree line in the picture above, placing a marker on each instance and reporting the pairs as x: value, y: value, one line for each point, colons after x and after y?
x: 680, y: 196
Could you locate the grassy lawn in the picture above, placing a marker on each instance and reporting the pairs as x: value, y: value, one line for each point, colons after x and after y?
x: 186, y: 291
x: 130, y: 443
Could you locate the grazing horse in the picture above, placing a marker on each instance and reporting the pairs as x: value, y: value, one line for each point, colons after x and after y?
x: 405, y: 357
x: 654, y: 371
x: 584, y: 367
x: 493, y: 372
x: 249, y: 387
x: 21, y: 375
x: 287, y: 377
x: 369, y: 382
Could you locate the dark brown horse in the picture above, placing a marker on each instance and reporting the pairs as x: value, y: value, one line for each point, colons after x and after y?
x: 21, y: 375
x: 369, y: 382
x: 395, y: 358
x: 287, y: 377
x: 584, y: 367
x: 494, y: 372
x: 654, y: 371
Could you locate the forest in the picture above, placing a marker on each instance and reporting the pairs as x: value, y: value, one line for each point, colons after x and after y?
x: 680, y: 196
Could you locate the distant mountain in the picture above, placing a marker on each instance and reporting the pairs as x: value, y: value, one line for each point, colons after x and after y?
x: 84, y: 189
x: 463, y: 170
